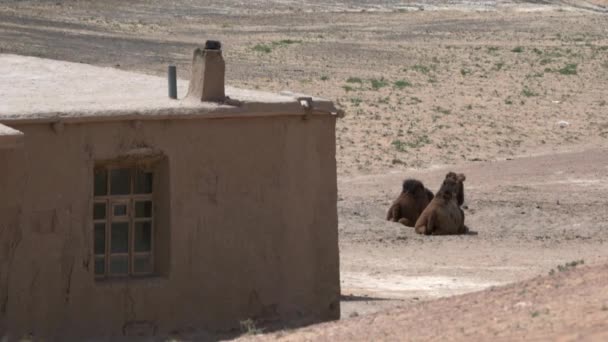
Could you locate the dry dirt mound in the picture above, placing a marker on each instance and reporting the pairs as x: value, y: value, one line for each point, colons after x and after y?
x: 569, y: 304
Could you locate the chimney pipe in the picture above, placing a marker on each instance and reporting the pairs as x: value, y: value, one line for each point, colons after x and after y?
x: 208, y: 70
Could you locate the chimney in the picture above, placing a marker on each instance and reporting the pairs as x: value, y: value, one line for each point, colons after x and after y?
x: 208, y: 69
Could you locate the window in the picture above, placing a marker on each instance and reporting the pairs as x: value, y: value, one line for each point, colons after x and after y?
x: 123, y: 221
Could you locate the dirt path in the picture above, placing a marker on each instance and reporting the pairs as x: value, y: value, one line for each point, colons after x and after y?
x: 570, y: 305
x: 531, y: 214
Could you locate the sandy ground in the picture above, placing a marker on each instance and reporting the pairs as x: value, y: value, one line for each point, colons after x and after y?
x: 512, y: 93
x: 569, y: 305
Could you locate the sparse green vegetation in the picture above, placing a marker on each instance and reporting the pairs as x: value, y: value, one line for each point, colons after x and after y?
x: 537, y: 51
x: 400, y: 84
x: 498, y: 66
x: 442, y: 110
x: 378, y: 83
x: 527, y: 92
x: 356, y: 101
x: 354, y: 80
x: 347, y: 88
x: 262, y: 48
x: 415, y: 100
x: 267, y: 48
x: 567, y: 266
x: 465, y: 71
x: 422, y: 68
x: 418, y: 142
x: 569, y: 69
x: 324, y: 78
x: 492, y: 49
x: 545, y: 61
x: 284, y: 42
x: 518, y: 49
x: 249, y: 327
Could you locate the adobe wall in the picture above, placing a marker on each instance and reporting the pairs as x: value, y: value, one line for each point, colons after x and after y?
x: 253, y: 227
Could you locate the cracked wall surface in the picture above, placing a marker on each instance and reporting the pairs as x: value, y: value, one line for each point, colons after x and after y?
x: 252, y: 228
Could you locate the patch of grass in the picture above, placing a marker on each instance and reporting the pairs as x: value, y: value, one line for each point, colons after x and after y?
x: 465, y: 71
x: 378, y: 83
x: 384, y: 100
x: 399, y: 145
x: 400, y: 84
x: 356, y: 101
x: 567, y: 266
x: 324, y: 78
x: 262, y: 48
x: 554, y: 54
x: 418, y: 142
x: 527, y: 92
x: 492, y: 49
x: 508, y: 101
x: 415, y: 100
x: 285, y: 42
x: 267, y: 48
x: 347, y: 88
x: 537, y: 51
x: 422, y: 68
x: 545, y: 61
x: 569, y: 69
x: 354, y: 80
x: 517, y: 49
x: 536, y: 74
x: 570, y: 265
x: 499, y: 65
x: 442, y: 110
x: 249, y: 327
x: 535, y: 314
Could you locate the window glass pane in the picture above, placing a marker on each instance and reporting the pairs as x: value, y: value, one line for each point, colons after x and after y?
x: 120, y: 237
x: 119, y: 265
x: 101, y: 182
x: 100, y: 238
x: 143, y: 209
x: 100, y: 266
x: 142, y: 264
x: 143, y: 182
x: 120, y: 181
x: 120, y: 210
x: 99, y: 211
x: 143, y: 236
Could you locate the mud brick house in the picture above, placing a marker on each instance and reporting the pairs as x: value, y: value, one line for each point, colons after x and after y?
x: 122, y: 210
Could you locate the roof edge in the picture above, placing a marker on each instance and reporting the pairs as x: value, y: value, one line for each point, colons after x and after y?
x: 222, y: 111
x: 10, y: 138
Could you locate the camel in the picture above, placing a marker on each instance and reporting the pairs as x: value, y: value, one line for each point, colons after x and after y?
x: 443, y: 216
x: 411, y: 202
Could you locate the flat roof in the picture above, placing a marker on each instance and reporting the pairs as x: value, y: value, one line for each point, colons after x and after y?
x: 42, y: 90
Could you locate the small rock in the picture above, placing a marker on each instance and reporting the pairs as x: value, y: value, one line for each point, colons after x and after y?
x: 562, y: 123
